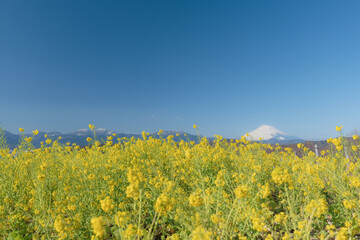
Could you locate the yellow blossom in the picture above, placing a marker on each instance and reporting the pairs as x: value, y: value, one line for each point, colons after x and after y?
x: 41, y: 177
x: 200, y: 234
x: 72, y: 207
x: 121, y: 218
x: 107, y: 204
x: 130, y: 231
x: 164, y: 204
x: 215, y: 218
x: 97, y: 224
x: 258, y: 224
x: 91, y: 176
x: 265, y: 190
x: 338, y: 128
x: 241, y: 191
x: 317, y: 207
x: 195, y: 200
x: 349, y: 204
x: 280, y: 218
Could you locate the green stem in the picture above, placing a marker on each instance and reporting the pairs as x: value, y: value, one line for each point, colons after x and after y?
x: 290, y: 207
x: 152, y: 224
x: 228, y: 218
x: 139, y: 220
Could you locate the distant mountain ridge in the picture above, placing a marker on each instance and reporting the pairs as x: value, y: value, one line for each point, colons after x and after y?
x: 269, y: 134
x: 79, y: 137
x: 266, y: 133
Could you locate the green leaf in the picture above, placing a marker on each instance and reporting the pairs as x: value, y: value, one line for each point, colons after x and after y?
x: 14, y: 236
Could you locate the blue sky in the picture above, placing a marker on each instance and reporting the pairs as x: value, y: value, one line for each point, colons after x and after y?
x: 228, y: 66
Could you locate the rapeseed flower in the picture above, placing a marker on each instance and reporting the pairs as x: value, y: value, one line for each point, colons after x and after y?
x: 164, y: 204
x: 97, y: 224
x: 196, y: 200
x: 338, y: 128
x: 349, y: 204
x: 130, y: 231
x: 121, y: 218
x: 241, y: 191
x: 200, y: 234
x: 317, y: 207
x: 107, y: 204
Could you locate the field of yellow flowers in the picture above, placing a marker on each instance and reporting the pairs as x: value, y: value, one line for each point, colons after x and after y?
x: 161, y: 189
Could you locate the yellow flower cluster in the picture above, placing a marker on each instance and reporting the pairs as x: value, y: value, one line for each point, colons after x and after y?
x: 342, y: 234
x: 130, y: 231
x: 220, y: 180
x: 258, y: 225
x: 97, y: 224
x: 241, y: 191
x: 121, y: 218
x: 134, y: 179
x: 280, y: 176
x: 265, y: 190
x: 60, y: 228
x: 164, y: 204
x: 200, y: 234
x: 107, y: 204
x: 317, y: 207
x: 354, y: 181
x: 338, y: 128
x: 337, y: 142
x: 349, y: 204
x: 196, y: 200
x: 280, y: 218
x: 216, y: 219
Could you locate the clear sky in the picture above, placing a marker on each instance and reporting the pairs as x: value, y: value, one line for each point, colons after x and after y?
x: 227, y: 66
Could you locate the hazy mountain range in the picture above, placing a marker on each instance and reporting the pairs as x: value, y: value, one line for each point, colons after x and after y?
x: 266, y: 133
x: 79, y: 137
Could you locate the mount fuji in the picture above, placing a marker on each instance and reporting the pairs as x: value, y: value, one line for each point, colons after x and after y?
x: 270, y: 134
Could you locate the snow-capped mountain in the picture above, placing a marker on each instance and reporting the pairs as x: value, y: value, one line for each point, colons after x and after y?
x: 99, y: 131
x: 270, y: 134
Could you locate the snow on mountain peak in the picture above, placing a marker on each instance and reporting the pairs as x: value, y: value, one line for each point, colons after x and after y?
x: 266, y: 132
x: 101, y: 131
x: 83, y: 130
x: 104, y: 131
